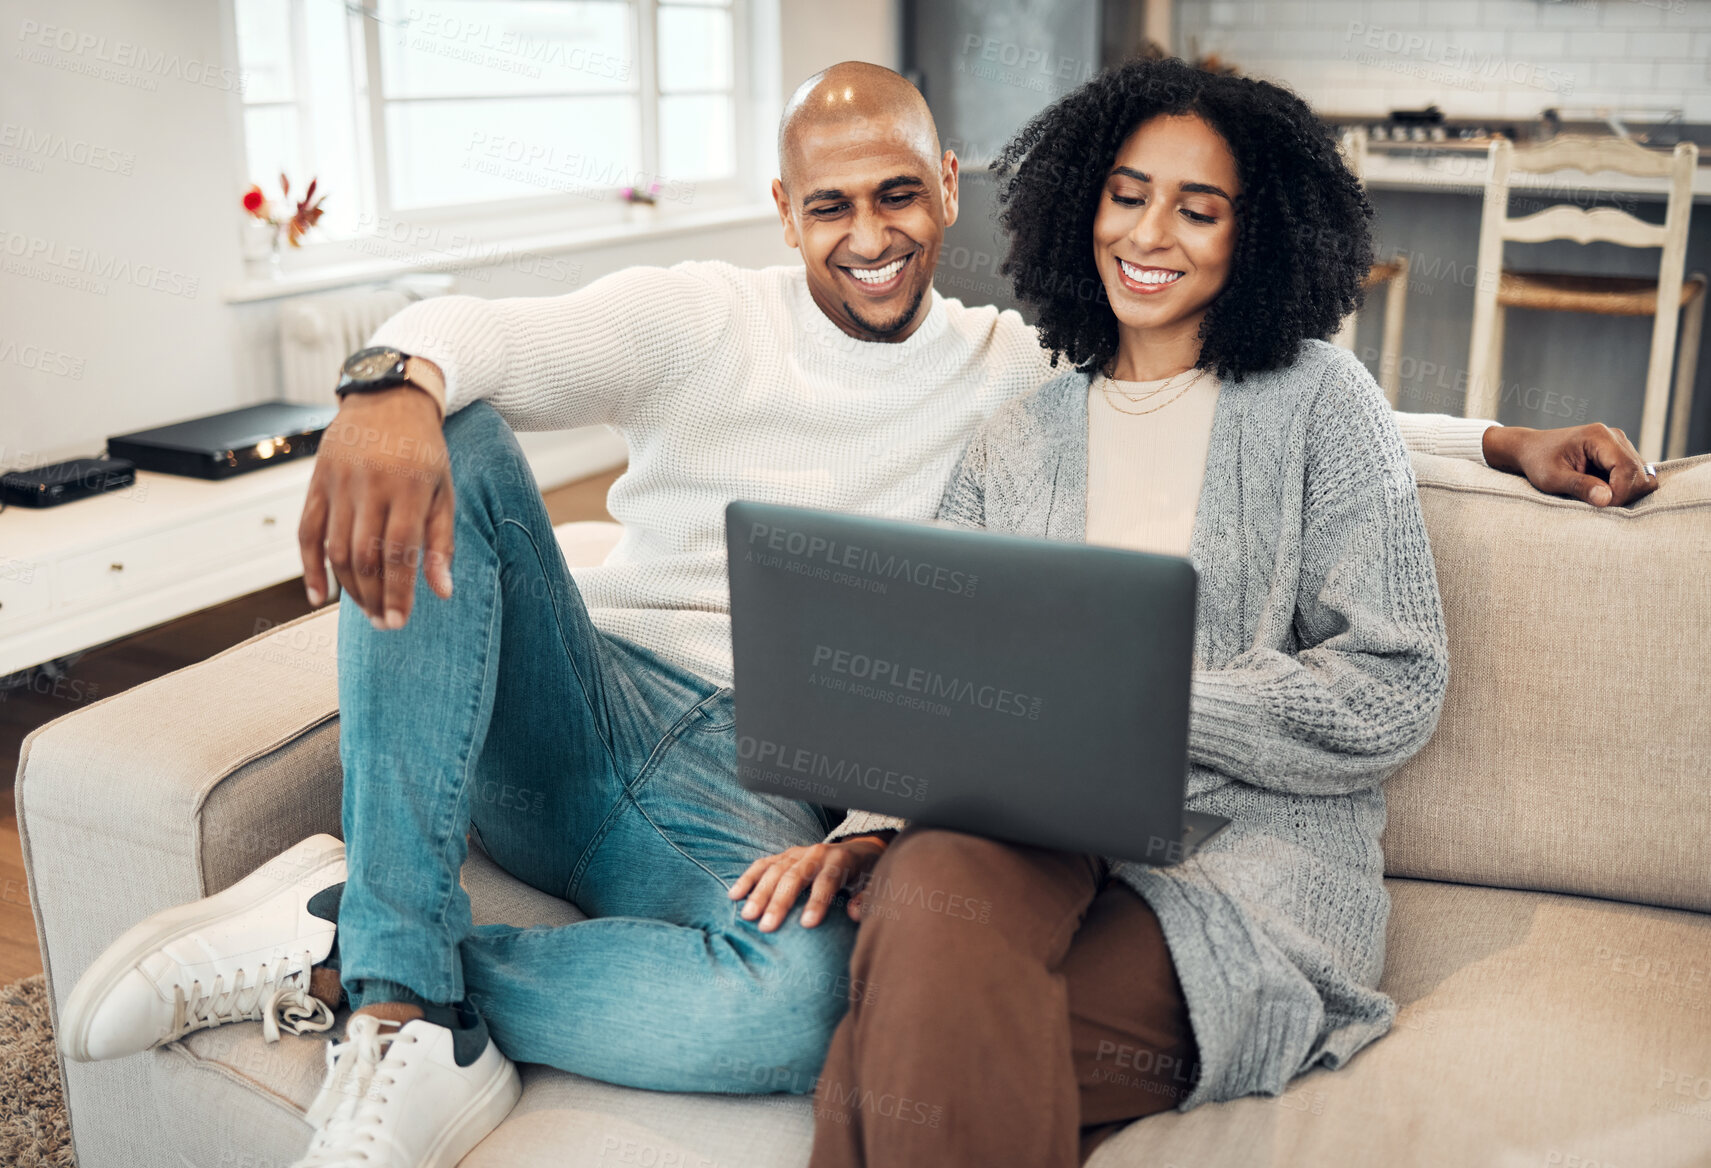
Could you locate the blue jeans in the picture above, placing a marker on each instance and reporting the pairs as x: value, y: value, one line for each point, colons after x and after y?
x: 592, y: 770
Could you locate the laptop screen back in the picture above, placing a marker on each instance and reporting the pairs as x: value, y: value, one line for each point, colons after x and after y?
x: 1029, y: 690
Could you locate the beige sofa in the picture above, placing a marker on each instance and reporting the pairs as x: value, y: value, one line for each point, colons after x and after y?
x: 1550, y: 849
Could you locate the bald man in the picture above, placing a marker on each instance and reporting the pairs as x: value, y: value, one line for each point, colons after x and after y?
x: 580, y: 724
x: 858, y: 132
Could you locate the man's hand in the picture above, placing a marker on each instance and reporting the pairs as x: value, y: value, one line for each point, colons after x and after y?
x: 381, y: 493
x: 1594, y: 463
x: 778, y: 880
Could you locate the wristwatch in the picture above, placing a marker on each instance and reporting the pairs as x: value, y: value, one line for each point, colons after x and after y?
x: 371, y: 370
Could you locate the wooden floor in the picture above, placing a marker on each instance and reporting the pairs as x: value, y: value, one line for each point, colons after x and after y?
x: 117, y: 666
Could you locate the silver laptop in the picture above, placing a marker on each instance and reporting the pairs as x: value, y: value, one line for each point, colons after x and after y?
x: 1024, y: 689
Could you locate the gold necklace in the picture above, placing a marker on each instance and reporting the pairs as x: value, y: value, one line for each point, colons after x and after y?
x: 1193, y: 375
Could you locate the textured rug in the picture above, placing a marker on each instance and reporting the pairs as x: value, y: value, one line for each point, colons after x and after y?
x: 33, y: 1132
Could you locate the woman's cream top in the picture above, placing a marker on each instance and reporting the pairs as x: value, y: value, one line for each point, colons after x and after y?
x: 1145, y: 469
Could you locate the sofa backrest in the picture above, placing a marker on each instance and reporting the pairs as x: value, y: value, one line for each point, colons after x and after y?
x: 1574, y: 750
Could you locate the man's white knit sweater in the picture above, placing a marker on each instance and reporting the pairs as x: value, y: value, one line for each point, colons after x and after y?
x: 730, y: 383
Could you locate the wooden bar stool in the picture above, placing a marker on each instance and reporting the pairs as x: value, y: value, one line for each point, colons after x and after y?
x: 1497, y: 288
x: 1392, y: 275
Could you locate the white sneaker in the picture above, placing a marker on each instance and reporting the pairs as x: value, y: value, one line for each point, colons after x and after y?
x: 419, y: 1095
x: 243, y: 954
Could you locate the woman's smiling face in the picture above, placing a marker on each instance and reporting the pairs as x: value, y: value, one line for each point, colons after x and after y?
x: 1165, y: 230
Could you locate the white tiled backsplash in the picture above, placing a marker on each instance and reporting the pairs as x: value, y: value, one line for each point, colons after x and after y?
x: 1472, y: 58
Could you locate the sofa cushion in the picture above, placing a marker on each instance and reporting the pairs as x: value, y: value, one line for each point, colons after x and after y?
x: 1534, y: 1030
x: 566, y: 1119
x: 291, y: 1070
x: 249, y: 1096
x: 1571, y: 754
x: 588, y: 542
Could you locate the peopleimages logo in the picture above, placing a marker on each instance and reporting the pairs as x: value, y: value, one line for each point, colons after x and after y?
x: 44, y: 360
x: 87, y: 269
x: 780, y: 759
x: 469, y: 40
x: 859, y: 559
x: 76, y: 151
x: 1420, y: 52
x: 95, y: 55
x: 928, y: 682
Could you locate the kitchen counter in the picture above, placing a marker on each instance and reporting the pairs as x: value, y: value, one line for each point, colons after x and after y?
x: 1464, y: 172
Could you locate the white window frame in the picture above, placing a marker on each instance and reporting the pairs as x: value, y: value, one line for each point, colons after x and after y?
x: 299, y: 85
x: 529, y: 214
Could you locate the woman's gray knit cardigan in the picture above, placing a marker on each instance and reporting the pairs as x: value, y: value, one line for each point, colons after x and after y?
x: 1320, y: 667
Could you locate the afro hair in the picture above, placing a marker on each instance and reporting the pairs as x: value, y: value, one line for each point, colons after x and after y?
x: 1303, y: 237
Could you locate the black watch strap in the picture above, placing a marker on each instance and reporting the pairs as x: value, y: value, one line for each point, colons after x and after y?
x: 372, y: 370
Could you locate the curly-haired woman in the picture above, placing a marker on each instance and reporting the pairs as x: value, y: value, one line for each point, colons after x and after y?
x: 1186, y: 240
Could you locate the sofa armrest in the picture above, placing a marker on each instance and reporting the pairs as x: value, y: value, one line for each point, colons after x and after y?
x: 159, y: 795
x: 587, y: 542
x: 177, y: 788
x: 172, y: 791
x: 180, y: 787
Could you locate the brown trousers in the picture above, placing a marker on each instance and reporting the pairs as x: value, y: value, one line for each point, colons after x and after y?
x: 1009, y: 1005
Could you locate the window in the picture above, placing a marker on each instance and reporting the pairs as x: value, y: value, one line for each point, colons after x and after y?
x: 443, y: 109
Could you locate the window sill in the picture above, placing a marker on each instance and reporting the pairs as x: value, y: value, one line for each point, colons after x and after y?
x: 322, y: 279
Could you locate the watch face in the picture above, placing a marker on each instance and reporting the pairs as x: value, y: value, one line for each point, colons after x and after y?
x: 372, y: 364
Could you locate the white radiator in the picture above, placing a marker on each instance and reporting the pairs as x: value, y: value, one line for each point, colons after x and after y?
x: 317, y: 333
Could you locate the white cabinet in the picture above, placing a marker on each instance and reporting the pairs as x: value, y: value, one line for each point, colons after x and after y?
x: 83, y: 573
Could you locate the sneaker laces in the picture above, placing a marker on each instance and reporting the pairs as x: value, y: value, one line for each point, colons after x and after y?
x: 350, y: 1104
x: 287, y: 1004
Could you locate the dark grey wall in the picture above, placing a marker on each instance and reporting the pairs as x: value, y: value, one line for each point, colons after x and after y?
x: 986, y: 67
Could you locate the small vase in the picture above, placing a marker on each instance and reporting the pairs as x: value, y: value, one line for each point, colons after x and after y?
x: 260, y: 247
x: 275, y: 258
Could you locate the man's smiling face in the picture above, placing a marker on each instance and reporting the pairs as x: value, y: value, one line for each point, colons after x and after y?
x: 866, y: 199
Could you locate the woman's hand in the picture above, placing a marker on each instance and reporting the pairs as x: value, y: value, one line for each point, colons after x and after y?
x: 776, y: 881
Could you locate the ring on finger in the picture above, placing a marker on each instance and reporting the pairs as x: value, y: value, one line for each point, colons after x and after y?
x: 1651, y: 470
